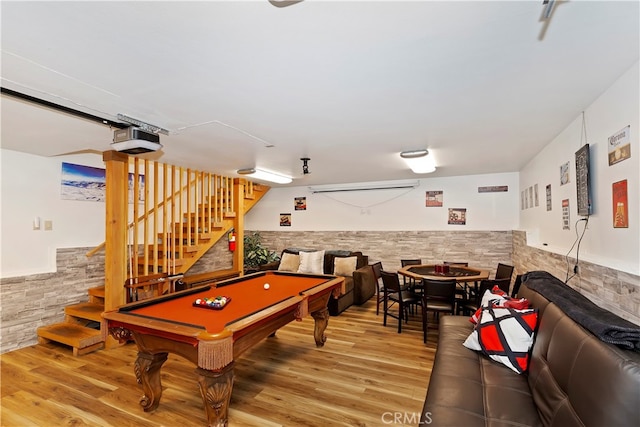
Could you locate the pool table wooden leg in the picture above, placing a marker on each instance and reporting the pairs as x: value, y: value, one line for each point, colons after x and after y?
x: 215, y: 388
x: 321, y: 318
x: 147, y: 370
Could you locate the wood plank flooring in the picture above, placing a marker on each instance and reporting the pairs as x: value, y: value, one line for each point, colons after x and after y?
x: 363, y: 376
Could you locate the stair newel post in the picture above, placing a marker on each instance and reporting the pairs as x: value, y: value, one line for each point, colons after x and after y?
x: 116, y: 236
x: 238, y: 223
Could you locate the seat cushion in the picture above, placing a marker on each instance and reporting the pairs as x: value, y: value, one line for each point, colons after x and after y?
x: 468, y: 389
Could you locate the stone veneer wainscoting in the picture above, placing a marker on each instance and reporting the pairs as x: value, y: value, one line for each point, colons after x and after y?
x: 614, y: 290
x: 483, y: 249
x: 29, y: 302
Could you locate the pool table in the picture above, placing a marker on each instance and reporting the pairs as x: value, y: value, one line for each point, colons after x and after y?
x: 213, y: 338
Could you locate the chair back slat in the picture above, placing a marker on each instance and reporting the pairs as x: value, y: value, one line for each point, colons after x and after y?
x: 377, y: 269
x: 390, y: 281
x: 504, y: 271
x: 443, y: 290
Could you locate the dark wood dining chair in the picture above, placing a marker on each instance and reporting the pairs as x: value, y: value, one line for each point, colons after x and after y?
x: 438, y: 296
x: 377, y: 270
x: 396, y: 296
x: 516, y: 286
x: 404, y: 262
x: 504, y: 271
x: 474, y: 303
x: 461, y: 288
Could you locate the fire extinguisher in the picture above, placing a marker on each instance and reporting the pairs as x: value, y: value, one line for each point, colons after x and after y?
x: 232, y: 241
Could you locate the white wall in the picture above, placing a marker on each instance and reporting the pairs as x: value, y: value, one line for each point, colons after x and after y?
x: 391, y: 210
x: 30, y: 187
x: 602, y: 244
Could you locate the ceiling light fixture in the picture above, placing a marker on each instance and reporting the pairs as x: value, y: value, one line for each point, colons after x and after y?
x: 265, y: 175
x: 305, y: 165
x: 419, y: 161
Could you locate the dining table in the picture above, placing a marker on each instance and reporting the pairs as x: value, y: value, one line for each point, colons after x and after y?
x: 462, y: 274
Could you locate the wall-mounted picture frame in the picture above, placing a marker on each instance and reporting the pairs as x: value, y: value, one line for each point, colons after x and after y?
x: 89, y: 184
x: 285, y: 220
x: 619, y: 145
x: 434, y: 199
x: 564, y: 173
x: 493, y: 189
x: 548, y: 190
x: 300, y: 203
x: 620, y: 204
x: 565, y: 215
x: 457, y: 216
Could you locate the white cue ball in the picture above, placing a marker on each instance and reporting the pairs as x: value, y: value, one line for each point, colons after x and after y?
x: 266, y: 286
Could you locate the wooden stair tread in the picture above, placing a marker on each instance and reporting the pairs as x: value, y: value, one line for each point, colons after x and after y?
x: 81, y: 338
x: 98, y: 291
x: 85, y: 310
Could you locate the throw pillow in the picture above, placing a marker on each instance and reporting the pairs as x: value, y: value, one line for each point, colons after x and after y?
x: 496, y: 297
x: 311, y: 262
x: 344, y: 266
x: 490, y: 298
x: 289, y: 262
x: 505, y: 335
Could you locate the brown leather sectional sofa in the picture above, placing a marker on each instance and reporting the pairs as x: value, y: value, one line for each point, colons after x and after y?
x: 574, y: 378
x: 359, y: 287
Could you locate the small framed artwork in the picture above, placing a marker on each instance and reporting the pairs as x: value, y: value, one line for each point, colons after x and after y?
x: 285, y: 220
x: 620, y: 204
x: 565, y: 214
x: 564, y: 174
x: 457, y: 216
x: 434, y: 198
x: 619, y: 145
x: 300, y: 203
x: 548, y: 197
x: 493, y: 189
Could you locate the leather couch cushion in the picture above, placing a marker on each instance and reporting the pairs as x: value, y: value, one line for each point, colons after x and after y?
x: 467, y: 389
x: 579, y: 380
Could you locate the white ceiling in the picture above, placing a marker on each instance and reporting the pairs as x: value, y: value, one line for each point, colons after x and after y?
x: 484, y: 85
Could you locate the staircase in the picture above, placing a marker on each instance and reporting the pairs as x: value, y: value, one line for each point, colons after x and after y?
x: 81, y: 327
x: 210, y: 213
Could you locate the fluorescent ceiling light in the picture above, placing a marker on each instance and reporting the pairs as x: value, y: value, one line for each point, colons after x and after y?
x: 265, y: 175
x: 364, y: 186
x: 419, y: 161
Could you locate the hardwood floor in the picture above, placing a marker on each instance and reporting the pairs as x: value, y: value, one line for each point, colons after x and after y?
x: 365, y: 375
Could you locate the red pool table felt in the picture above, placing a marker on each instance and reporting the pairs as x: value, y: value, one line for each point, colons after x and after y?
x: 247, y: 295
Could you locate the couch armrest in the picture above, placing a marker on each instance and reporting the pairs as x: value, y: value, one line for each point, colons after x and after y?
x: 273, y: 265
x: 364, y: 284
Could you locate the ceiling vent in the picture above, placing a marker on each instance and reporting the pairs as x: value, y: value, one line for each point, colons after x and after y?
x: 132, y: 140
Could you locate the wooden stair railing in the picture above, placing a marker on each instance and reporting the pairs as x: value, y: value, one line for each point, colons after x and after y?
x: 184, y: 213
